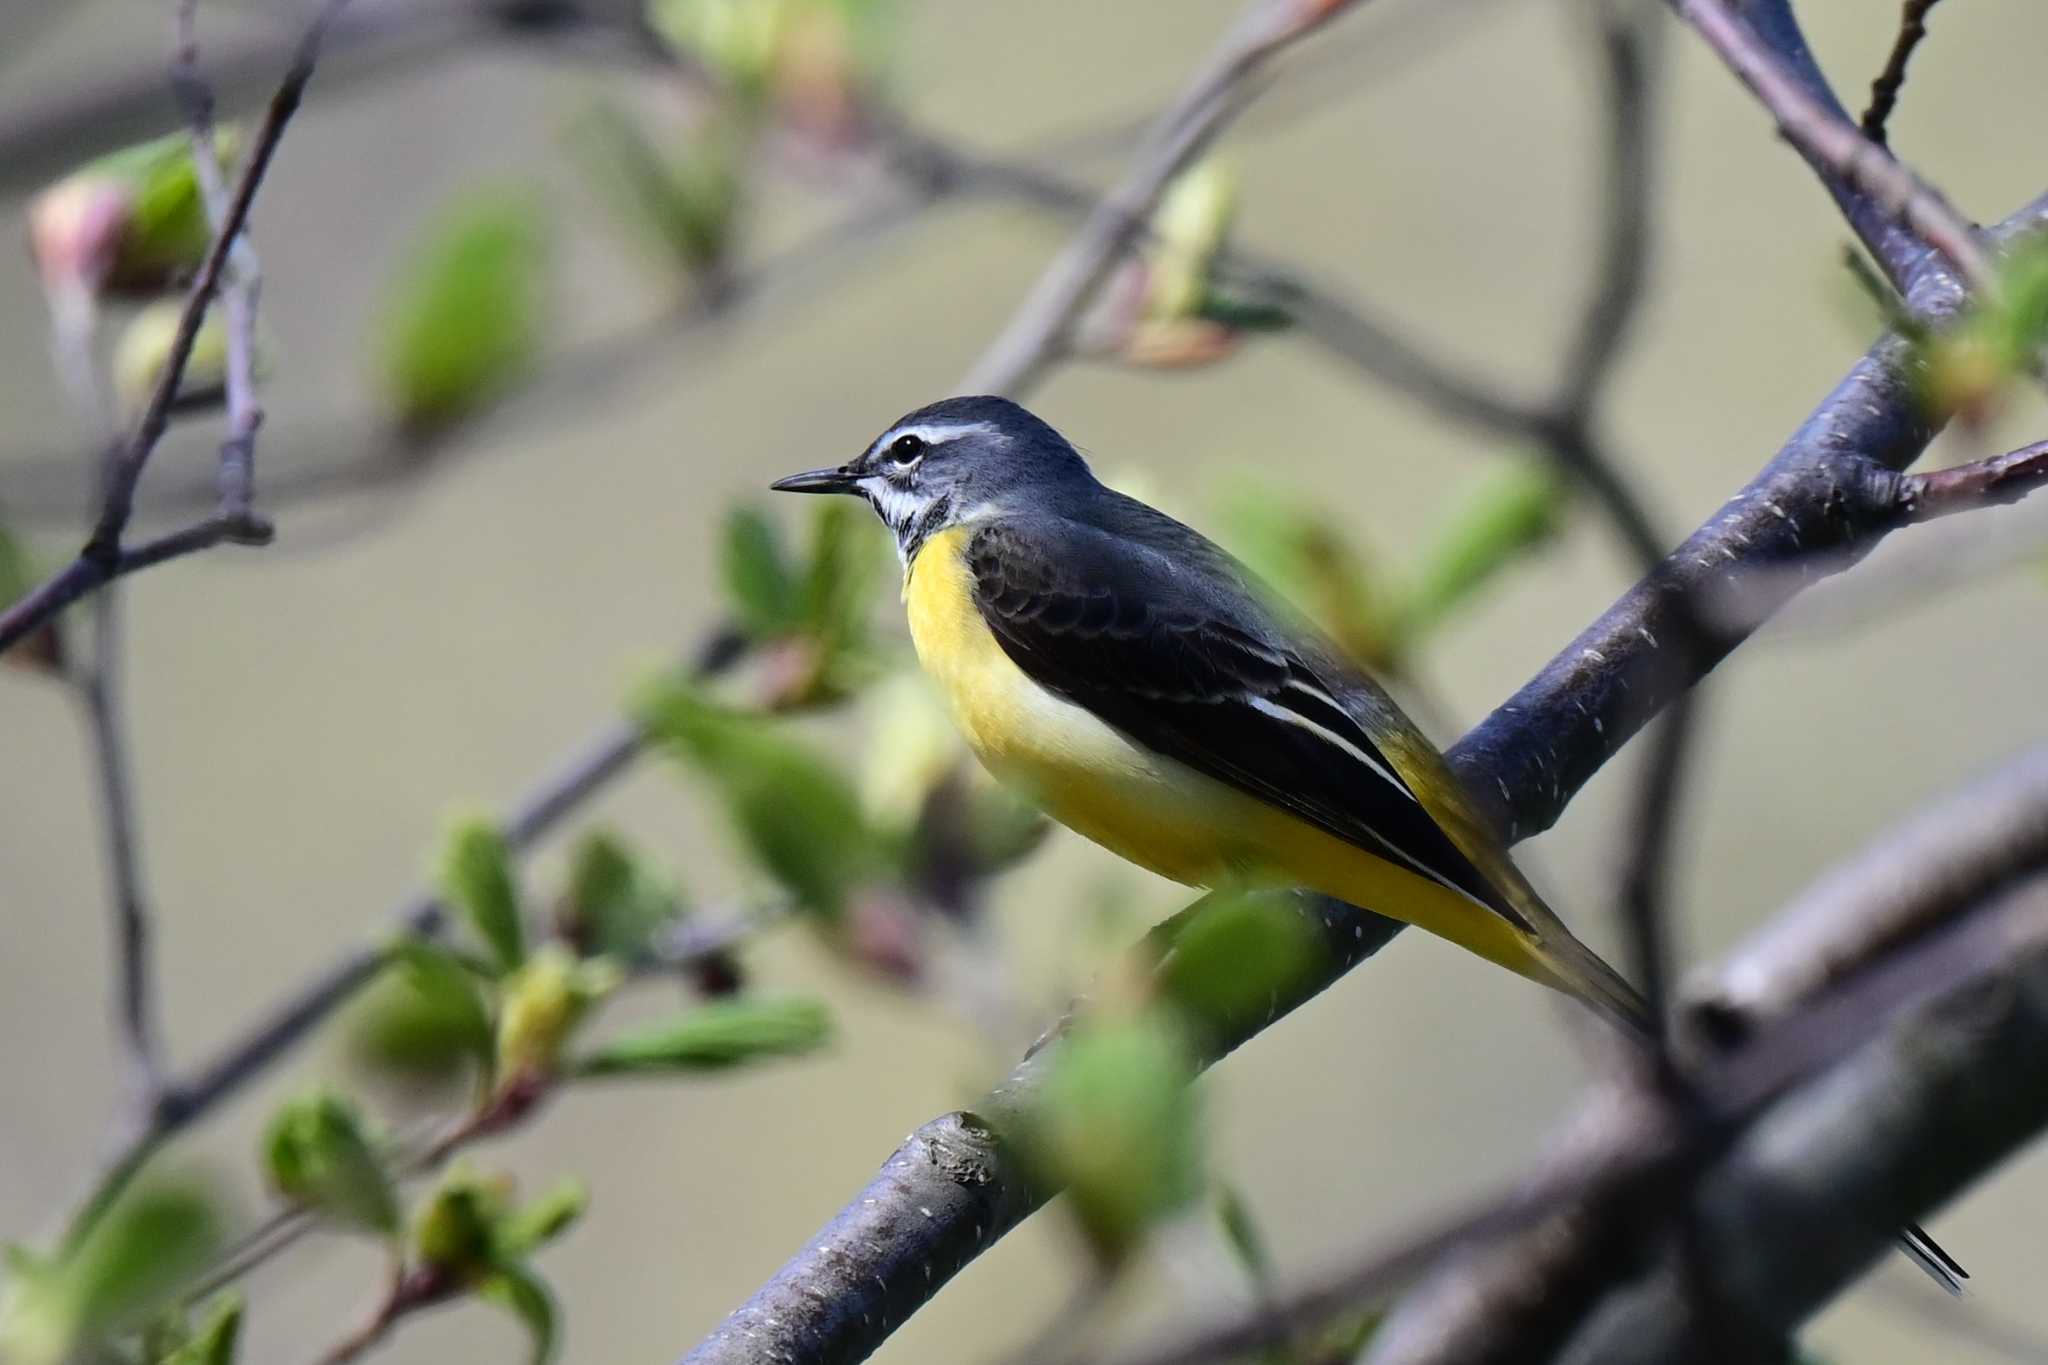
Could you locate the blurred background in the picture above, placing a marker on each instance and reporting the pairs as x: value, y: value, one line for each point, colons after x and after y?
x: 305, y: 716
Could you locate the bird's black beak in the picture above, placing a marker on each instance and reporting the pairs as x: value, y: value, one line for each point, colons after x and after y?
x: 839, y: 480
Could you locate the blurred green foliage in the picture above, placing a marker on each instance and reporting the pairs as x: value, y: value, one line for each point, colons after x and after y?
x: 1514, y: 505
x: 617, y: 902
x: 1377, y: 616
x: 470, y: 1232
x: 813, y: 607
x: 542, y: 1004
x: 797, y: 814
x: 132, y: 221
x: 1234, y: 956
x: 1968, y: 369
x: 713, y: 1037
x: 517, y: 1287
x: 125, y: 1268
x: 463, y: 318
x: 685, y: 200
x: 531, y: 1226
x: 426, y: 1018
x: 213, y: 1342
x: 320, y: 1155
x: 477, y: 881
x: 1116, y: 1122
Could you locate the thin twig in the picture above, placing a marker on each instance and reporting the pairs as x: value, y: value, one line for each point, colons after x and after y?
x: 99, y: 689
x: 1884, y: 91
x: 1985, y: 483
x: 1827, y: 138
x: 589, y: 770
x: 242, y: 288
x: 103, y: 559
x: 1629, y: 39
x: 1039, y: 327
x: 408, y: 1292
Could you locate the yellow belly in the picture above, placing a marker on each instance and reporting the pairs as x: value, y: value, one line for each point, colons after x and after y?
x: 1143, y: 806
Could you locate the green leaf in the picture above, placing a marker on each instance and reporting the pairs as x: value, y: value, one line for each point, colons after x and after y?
x: 425, y: 1019
x: 543, y: 1003
x: 686, y: 203
x: 516, y: 1287
x: 125, y: 1268
x: 1513, y: 507
x: 798, y: 815
x: 1241, y: 1235
x: 842, y: 576
x: 319, y: 1154
x: 758, y: 581
x: 1234, y: 957
x: 712, y: 1037
x: 533, y: 1225
x: 214, y: 1342
x: 1117, y: 1123
x: 617, y: 901
x: 456, y: 1227
x: 737, y: 40
x: 1190, y: 224
x: 463, y: 319
x: 476, y: 878
x: 1314, y: 565
x: 846, y: 555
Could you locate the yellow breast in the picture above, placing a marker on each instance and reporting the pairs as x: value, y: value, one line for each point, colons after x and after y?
x: 1146, y: 807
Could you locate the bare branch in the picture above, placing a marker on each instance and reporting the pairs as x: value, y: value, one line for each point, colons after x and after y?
x: 99, y: 689
x: 1807, y: 1200
x: 1899, y: 889
x: 1884, y: 91
x: 2001, y: 479
x: 1826, y: 137
x: 103, y: 558
x: 1519, y: 1296
x: 242, y: 287
x: 1039, y: 327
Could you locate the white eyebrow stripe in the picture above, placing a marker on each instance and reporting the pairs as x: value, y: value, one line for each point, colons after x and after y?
x: 936, y: 433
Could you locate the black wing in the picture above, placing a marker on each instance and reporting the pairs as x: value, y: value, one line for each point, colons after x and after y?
x: 1173, y: 648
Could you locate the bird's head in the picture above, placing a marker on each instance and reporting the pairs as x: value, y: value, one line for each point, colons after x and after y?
x: 955, y: 461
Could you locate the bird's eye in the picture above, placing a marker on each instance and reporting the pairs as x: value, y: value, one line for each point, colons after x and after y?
x: 906, y: 449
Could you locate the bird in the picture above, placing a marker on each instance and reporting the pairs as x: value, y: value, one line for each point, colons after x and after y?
x: 1146, y: 690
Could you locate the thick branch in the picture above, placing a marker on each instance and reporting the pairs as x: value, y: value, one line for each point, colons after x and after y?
x: 1854, y: 166
x: 1809, y: 1198
x: 1514, y: 1298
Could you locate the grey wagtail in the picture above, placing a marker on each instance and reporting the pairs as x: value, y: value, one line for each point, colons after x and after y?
x: 1143, y: 687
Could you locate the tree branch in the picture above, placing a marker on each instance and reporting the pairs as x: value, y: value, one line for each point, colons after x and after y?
x: 1814, y: 123
x: 103, y: 559
x: 1884, y: 91
x: 1039, y: 328
x: 1512, y: 1298
x: 1810, y: 1196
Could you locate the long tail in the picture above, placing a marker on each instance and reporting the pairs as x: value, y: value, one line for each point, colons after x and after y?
x: 1581, y: 973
